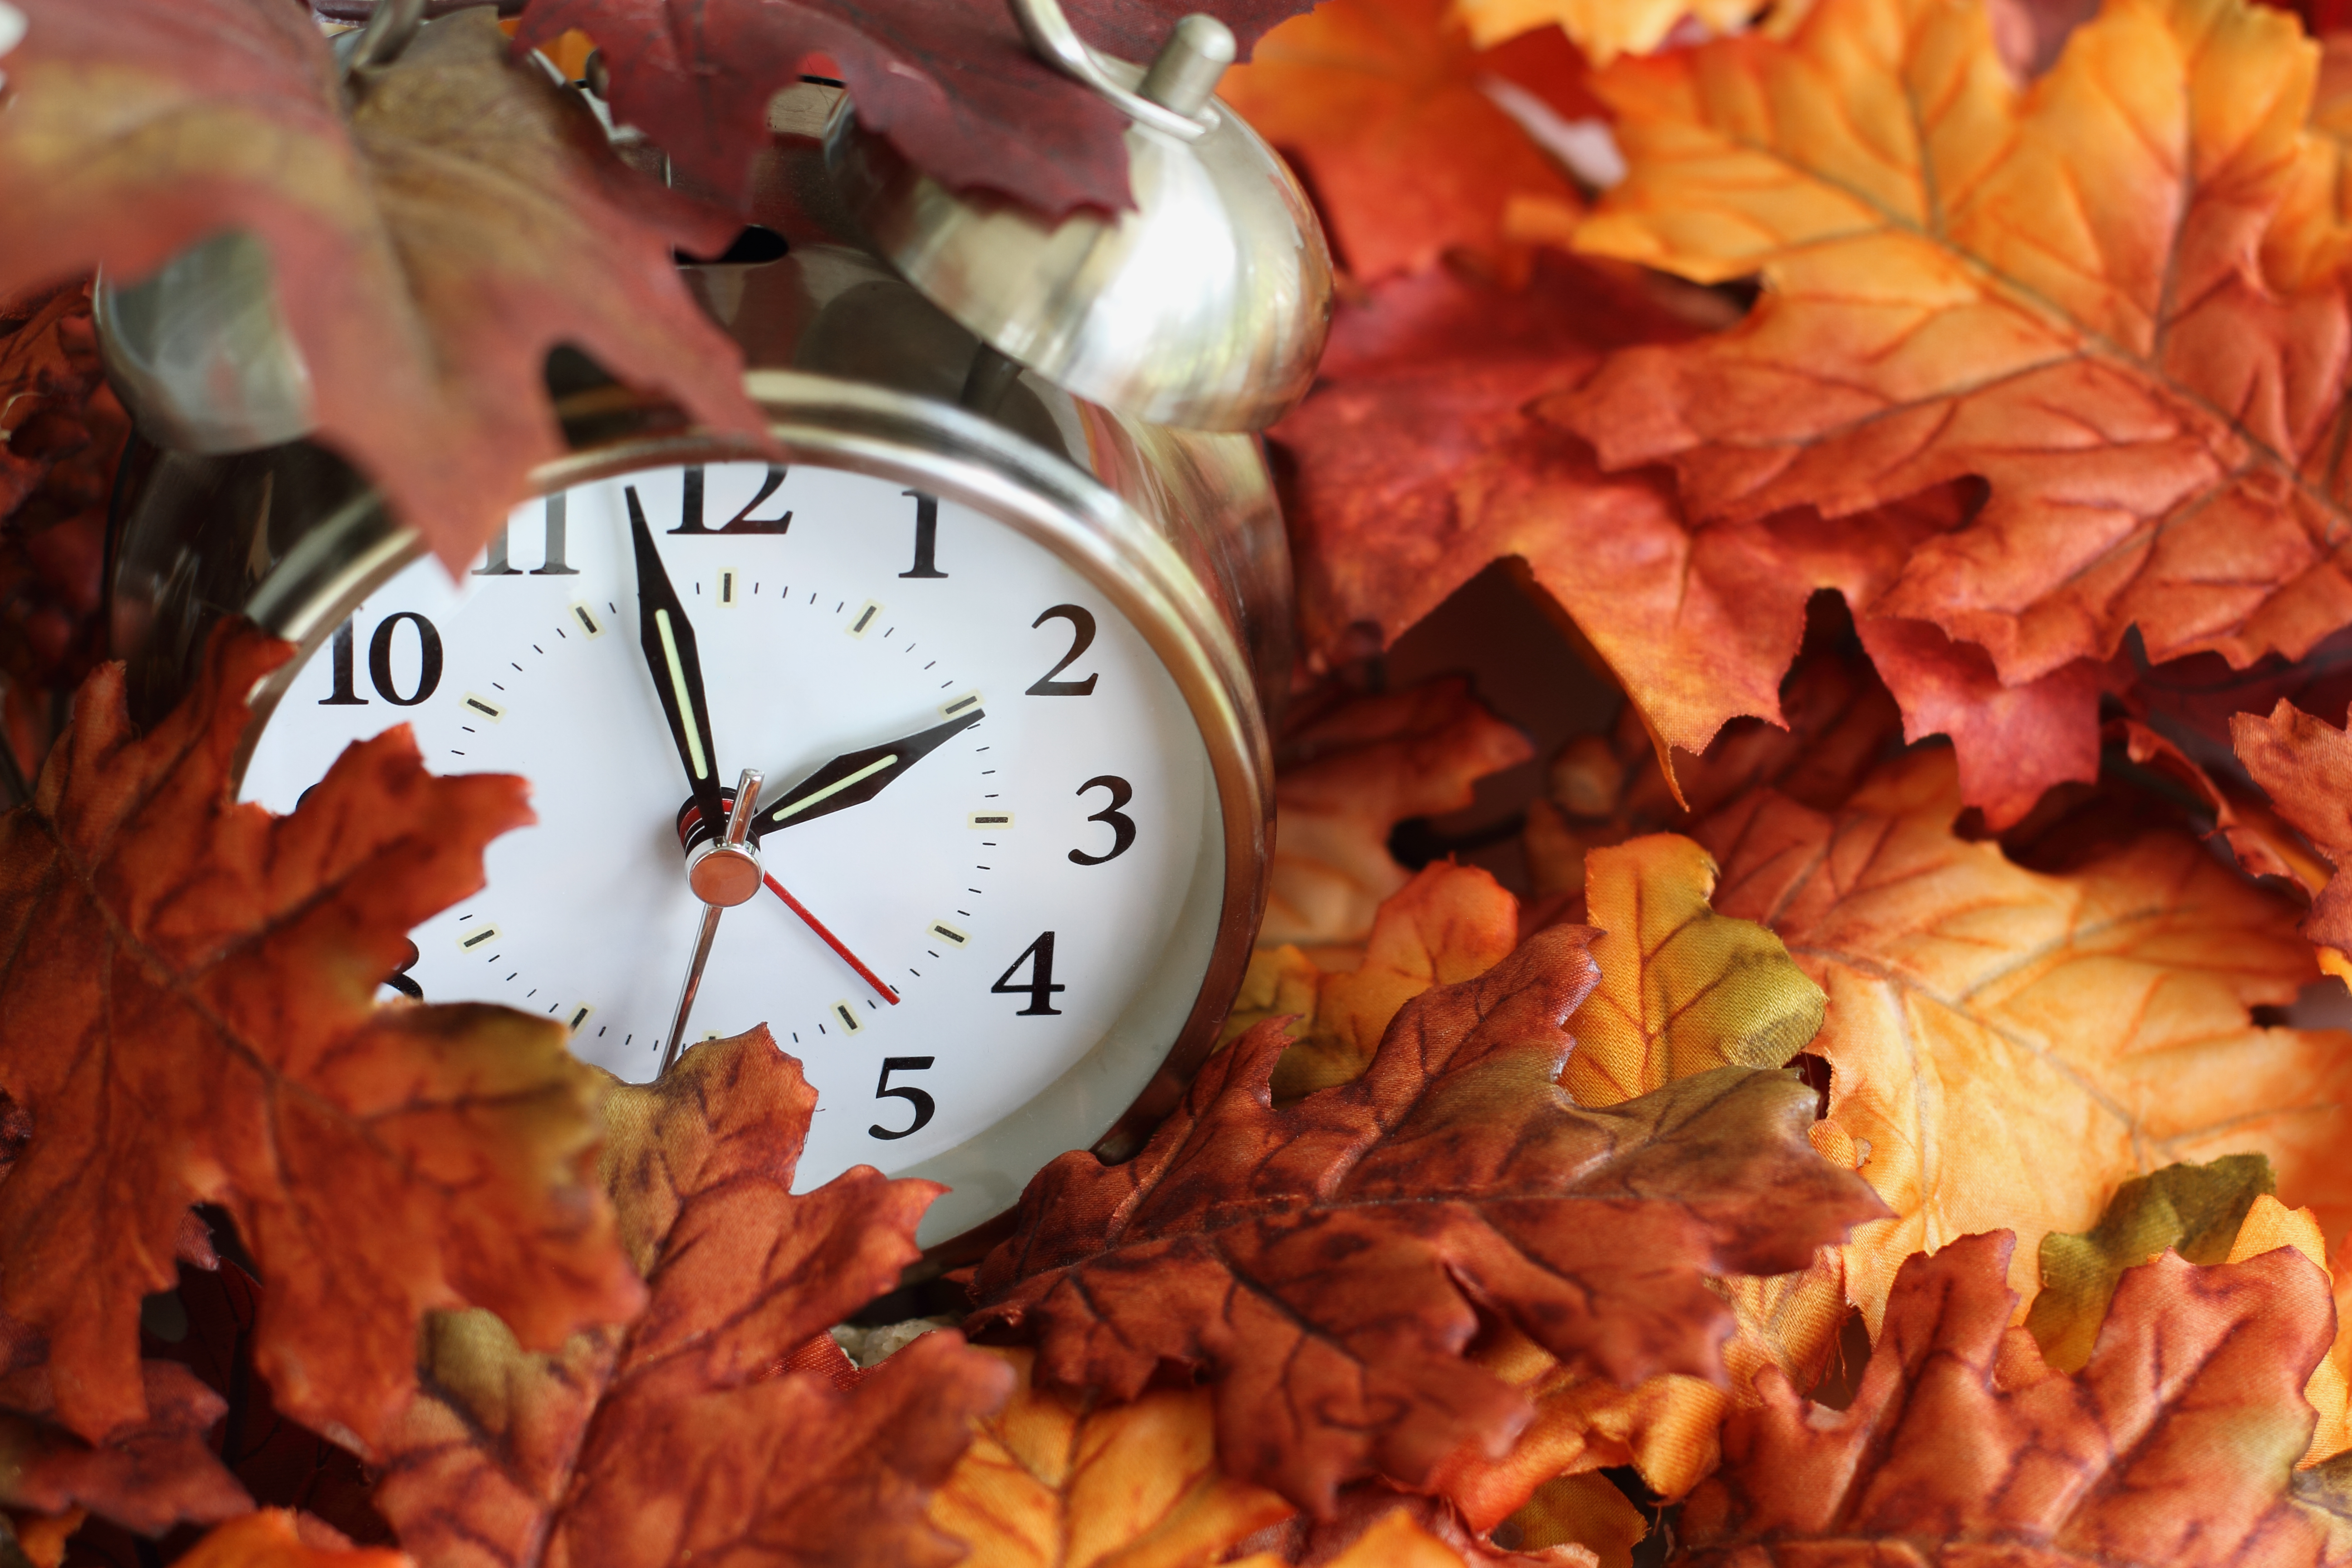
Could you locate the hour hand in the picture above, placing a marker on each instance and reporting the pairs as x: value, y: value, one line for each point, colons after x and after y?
x: 853, y: 778
x: 668, y: 638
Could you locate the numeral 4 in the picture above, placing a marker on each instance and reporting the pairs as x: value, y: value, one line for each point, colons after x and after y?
x: 1039, y: 987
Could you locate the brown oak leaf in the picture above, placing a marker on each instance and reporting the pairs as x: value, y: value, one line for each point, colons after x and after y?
x: 1321, y: 1263
x: 688, y: 1435
x: 2008, y: 1045
x: 1346, y: 778
x: 61, y: 432
x: 146, y: 1477
x: 949, y: 82
x: 429, y: 251
x: 187, y: 1016
x: 2061, y: 289
x: 1683, y: 991
x: 2174, y: 1446
x: 2305, y: 766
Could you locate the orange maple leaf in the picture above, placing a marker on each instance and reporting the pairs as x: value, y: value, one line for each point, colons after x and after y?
x: 2007, y: 1045
x: 1392, y: 115
x: 187, y: 1016
x: 428, y: 251
x: 2060, y: 289
x: 692, y: 1433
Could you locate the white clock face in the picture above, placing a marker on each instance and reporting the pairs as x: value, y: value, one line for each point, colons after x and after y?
x: 984, y: 795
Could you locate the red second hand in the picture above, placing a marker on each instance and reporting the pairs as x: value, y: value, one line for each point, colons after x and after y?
x: 830, y: 940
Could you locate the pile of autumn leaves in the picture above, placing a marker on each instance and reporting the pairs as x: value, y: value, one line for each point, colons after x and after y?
x: 1460, y: 1216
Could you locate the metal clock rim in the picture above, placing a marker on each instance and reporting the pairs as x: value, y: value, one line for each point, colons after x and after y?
x: 955, y: 454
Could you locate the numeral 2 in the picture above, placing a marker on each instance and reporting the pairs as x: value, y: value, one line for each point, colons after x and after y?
x: 925, y: 1106
x: 1082, y: 638
x: 497, y: 564
x: 1121, y: 825
x: 1039, y: 987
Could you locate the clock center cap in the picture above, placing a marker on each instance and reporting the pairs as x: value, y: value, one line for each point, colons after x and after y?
x: 723, y: 874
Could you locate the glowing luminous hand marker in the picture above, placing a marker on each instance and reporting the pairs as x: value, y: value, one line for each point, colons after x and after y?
x: 682, y: 696
x: 666, y: 638
x: 853, y: 778
x: 835, y: 788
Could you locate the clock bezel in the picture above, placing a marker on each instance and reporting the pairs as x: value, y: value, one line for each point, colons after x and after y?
x: 829, y: 422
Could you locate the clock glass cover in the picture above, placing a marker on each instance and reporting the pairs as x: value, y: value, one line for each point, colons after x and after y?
x: 983, y: 824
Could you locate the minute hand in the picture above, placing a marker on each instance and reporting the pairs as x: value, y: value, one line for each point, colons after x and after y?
x: 853, y: 778
x: 668, y: 638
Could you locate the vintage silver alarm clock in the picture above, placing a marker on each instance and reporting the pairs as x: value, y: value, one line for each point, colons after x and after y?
x: 936, y: 740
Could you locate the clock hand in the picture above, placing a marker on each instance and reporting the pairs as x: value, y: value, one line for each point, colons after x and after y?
x: 731, y: 890
x: 853, y: 778
x: 830, y: 941
x: 666, y: 638
x: 719, y: 883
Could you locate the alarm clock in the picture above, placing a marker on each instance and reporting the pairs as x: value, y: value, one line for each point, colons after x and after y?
x: 933, y: 735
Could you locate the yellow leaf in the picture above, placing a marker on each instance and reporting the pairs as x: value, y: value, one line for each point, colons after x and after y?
x: 1682, y: 989
x: 1585, y: 1510
x: 2007, y: 1045
x: 1049, y: 1483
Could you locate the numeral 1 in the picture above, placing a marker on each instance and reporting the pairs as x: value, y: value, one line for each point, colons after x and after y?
x: 498, y: 565
x: 344, y: 696
x: 927, y: 536
x: 1039, y: 987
